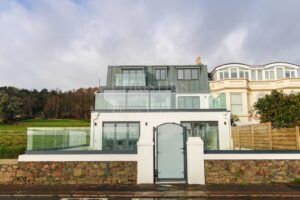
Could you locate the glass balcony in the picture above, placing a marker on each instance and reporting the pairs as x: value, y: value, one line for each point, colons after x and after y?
x: 130, y: 80
x: 154, y: 100
x: 44, y: 139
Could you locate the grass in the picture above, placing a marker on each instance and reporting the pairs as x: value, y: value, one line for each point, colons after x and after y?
x: 13, y: 136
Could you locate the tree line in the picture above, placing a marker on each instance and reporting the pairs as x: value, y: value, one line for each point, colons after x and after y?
x: 46, y: 104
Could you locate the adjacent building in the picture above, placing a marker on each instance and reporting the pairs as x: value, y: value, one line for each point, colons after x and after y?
x: 242, y: 85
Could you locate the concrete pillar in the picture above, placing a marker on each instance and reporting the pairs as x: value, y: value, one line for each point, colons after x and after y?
x: 145, y: 163
x: 195, y: 161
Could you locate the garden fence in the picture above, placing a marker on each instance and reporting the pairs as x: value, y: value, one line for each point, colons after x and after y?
x: 264, y: 137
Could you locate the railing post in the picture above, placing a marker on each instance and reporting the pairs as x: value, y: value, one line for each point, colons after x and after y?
x: 239, y: 137
x: 252, y: 137
x: 270, y: 135
x: 298, y: 137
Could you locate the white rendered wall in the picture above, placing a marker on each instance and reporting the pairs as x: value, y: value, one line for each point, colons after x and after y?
x: 148, y: 120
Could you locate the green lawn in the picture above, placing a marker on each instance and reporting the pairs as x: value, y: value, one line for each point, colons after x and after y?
x: 13, y: 136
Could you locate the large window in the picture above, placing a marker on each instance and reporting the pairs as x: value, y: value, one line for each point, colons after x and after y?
x: 233, y: 73
x: 279, y: 73
x: 188, y: 102
x: 236, y: 103
x: 160, y: 74
x: 208, y: 131
x: 187, y: 74
x: 120, y: 136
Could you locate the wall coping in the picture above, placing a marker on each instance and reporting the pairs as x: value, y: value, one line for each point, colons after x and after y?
x: 77, y: 157
x: 253, y: 156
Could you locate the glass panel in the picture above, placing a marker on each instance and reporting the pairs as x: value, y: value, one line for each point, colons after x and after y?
x: 170, y: 159
x: 188, y: 102
x: 154, y: 99
x: 287, y: 74
x: 180, y: 74
x: 246, y: 74
x: 241, y: 73
x: 236, y: 103
x: 272, y: 75
x: 157, y: 74
x: 133, y: 135
x: 194, y: 74
x: 293, y: 74
x: 121, y: 136
x: 267, y: 75
x: 196, y: 103
x: 160, y: 100
x: 226, y: 74
x: 233, y: 73
x: 187, y: 74
x: 108, y: 137
x: 131, y: 78
x: 163, y: 74
x: 137, y: 100
x: 253, y: 75
x: 221, y: 75
x: 279, y: 73
x: 259, y: 73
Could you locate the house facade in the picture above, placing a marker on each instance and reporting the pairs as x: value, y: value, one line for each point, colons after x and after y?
x: 163, y: 105
x: 242, y: 85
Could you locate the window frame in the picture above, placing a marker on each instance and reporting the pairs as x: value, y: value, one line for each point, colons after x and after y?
x: 191, y: 74
x: 160, y: 74
x: 218, y: 129
x: 242, y: 104
x: 128, y: 151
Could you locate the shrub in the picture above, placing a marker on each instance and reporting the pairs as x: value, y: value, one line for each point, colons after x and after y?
x: 283, y: 110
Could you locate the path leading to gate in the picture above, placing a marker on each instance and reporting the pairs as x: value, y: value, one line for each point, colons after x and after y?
x: 149, y: 191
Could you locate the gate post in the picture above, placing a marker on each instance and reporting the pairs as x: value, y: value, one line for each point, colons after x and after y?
x: 195, y: 161
x: 145, y: 162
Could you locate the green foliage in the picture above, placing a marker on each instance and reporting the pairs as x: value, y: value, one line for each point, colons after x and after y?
x: 44, y: 104
x: 10, y: 107
x: 283, y: 110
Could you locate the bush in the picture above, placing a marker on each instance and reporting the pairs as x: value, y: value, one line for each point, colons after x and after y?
x: 11, y: 152
x: 283, y: 110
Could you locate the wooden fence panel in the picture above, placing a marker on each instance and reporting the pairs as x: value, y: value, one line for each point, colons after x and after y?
x: 263, y: 137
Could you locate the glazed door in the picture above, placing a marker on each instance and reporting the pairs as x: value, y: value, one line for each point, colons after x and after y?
x: 170, y: 149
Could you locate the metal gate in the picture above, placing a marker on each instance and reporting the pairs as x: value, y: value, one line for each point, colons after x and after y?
x: 170, y: 159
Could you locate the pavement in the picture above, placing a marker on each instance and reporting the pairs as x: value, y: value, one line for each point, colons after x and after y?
x: 162, y: 191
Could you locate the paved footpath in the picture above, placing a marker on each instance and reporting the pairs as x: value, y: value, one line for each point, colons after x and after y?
x: 74, y: 192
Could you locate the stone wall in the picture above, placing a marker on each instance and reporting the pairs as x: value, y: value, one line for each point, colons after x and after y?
x: 251, y: 171
x: 12, y: 172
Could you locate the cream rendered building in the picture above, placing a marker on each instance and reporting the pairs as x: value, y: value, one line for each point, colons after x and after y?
x: 242, y: 85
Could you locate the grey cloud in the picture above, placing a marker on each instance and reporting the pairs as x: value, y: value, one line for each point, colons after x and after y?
x: 68, y: 44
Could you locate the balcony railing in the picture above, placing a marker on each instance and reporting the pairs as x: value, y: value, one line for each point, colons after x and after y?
x: 130, y: 80
x: 45, y: 139
x: 155, y: 100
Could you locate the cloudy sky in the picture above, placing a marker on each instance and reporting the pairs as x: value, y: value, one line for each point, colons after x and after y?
x: 68, y: 44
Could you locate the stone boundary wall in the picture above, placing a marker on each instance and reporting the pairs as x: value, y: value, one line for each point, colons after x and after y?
x: 251, y: 171
x: 50, y: 173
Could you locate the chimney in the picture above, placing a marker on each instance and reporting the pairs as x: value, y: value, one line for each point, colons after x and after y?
x: 198, y: 61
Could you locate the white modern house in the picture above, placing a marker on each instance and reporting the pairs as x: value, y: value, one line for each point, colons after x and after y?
x: 160, y: 105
